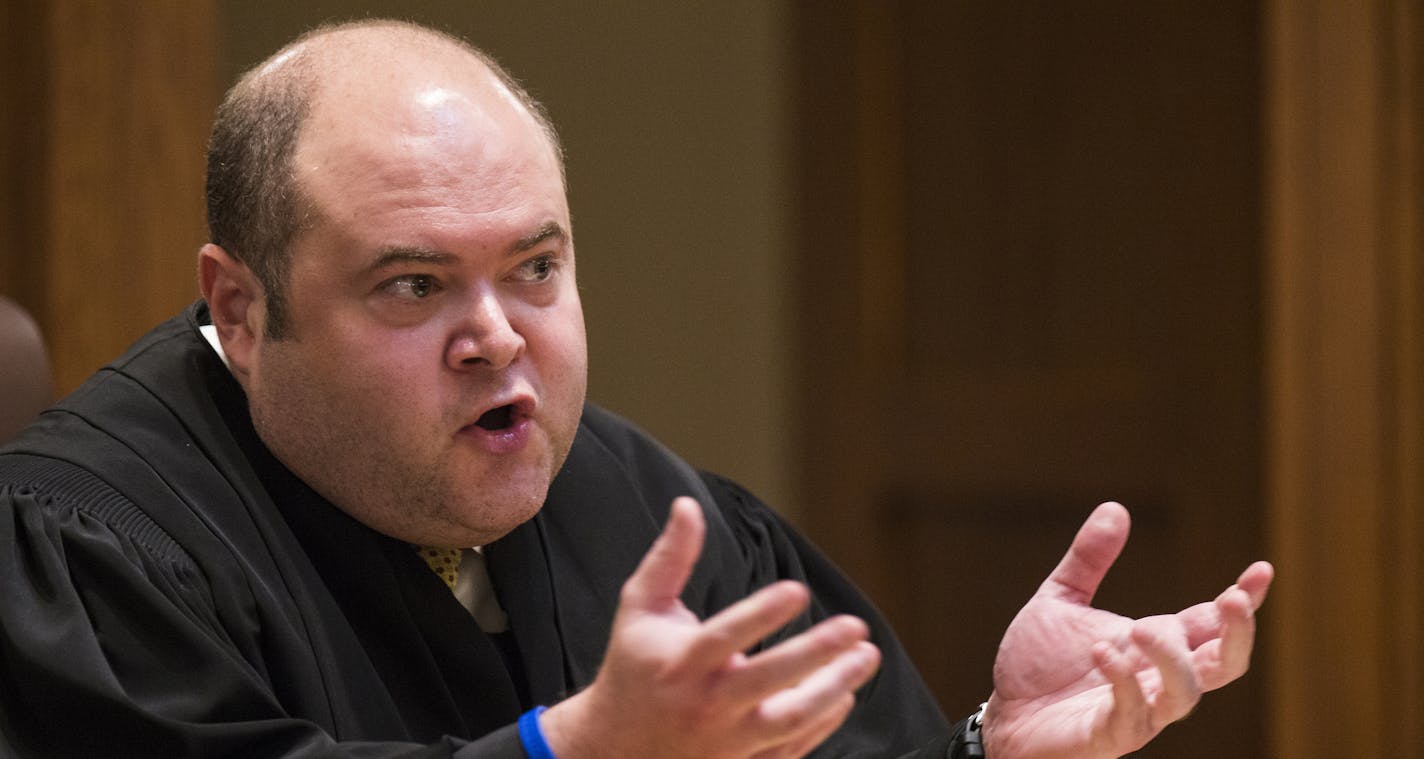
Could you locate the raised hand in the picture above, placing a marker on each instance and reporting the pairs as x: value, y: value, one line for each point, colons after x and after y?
x: 674, y: 686
x: 1074, y: 681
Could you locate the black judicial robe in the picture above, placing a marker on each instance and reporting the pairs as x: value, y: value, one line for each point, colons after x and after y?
x: 169, y: 589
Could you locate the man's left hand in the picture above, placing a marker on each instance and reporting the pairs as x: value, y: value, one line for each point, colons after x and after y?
x: 1074, y: 681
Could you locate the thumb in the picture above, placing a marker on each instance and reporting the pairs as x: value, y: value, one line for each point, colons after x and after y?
x: 1096, y: 546
x: 663, y: 572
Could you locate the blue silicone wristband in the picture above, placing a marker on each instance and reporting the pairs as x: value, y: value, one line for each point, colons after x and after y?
x: 532, y: 736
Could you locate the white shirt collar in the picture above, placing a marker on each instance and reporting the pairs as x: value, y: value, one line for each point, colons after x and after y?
x: 210, y: 333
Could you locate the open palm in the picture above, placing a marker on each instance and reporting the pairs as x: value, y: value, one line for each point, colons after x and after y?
x: 1074, y: 681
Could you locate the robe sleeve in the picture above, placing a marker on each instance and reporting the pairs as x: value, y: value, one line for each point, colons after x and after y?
x: 895, y: 715
x: 110, y: 646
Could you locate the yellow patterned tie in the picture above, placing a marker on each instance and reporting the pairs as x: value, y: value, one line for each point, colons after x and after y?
x: 444, y: 562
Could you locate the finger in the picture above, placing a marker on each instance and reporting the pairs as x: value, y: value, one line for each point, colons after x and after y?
x: 1256, y: 581
x: 814, y: 733
x: 1166, y: 646
x: 744, y: 623
x: 1220, y: 661
x: 1203, y: 622
x: 1094, y: 549
x: 790, y: 661
x: 663, y: 572
x: 786, y: 711
x: 1129, y: 722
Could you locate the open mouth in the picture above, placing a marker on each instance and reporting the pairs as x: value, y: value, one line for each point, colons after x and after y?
x: 496, y: 419
x: 504, y: 429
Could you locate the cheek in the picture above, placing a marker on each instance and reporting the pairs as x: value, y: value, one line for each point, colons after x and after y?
x: 567, y: 354
x: 383, y: 352
x: 567, y: 333
x: 372, y: 376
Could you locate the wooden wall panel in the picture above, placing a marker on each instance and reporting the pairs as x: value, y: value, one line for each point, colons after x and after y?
x: 1032, y: 246
x: 22, y: 149
x: 117, y: 99
x: 1346, y: 377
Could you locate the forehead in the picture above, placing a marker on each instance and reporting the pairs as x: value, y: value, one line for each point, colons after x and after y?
x: 421, y: 131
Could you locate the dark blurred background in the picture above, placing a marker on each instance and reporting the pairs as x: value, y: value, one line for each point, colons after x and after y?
x: 933, y: 278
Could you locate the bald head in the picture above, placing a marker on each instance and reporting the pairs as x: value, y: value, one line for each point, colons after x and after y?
x: 255, y: 199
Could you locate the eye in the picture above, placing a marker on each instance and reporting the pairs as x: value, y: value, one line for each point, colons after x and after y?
x: 411, y: 286
x: 538, y: 269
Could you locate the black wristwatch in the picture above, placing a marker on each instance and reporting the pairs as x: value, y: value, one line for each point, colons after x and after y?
x: 971, y: 744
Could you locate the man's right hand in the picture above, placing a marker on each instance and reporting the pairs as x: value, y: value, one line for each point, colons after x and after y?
x: 674, y: 686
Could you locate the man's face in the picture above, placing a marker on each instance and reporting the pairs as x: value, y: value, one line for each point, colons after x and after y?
x: 435, y: 371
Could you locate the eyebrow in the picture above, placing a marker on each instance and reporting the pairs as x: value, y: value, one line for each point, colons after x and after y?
x: 405, y: 255
x: 549, y: 230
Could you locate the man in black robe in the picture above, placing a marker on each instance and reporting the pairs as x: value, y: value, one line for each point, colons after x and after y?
x: 215, y: 546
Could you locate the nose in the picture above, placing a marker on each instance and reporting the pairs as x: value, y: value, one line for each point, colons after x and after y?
x: 485, y: 337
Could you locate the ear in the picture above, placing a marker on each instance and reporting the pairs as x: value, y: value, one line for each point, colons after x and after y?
x: 237, y: 303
